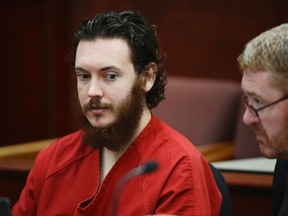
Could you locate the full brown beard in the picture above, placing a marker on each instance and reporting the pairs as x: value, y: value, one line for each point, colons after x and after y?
x: 119, y: 133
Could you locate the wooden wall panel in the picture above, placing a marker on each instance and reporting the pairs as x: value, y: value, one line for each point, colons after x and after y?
x: 22, y: 59
x: 201, y: 38
x: 35, y: 88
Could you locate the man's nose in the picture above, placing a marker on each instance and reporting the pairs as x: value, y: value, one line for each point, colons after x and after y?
x: 250, y: 118
x: 95, y: 88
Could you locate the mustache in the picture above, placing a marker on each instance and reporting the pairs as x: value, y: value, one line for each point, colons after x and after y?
x: 257, y: 129
x: 96, y: 102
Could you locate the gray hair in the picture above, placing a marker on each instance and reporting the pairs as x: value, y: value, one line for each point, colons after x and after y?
x: 268, y: 52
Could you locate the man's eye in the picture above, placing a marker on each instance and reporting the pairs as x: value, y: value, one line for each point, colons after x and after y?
x: 256, y: 102
x: 82, y: 76
x: 111, y: 76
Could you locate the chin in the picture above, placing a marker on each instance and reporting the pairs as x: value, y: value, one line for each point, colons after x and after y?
x: 101, y: 122
x: 268, y: 152
x: 98, y: 124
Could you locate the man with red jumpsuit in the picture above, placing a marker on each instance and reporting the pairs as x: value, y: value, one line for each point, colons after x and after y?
x: 120, y: 78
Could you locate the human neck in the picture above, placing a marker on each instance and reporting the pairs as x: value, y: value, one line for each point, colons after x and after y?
x: 110, y: 157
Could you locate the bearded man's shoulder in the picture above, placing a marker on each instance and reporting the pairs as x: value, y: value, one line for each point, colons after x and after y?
x: 65, y: 150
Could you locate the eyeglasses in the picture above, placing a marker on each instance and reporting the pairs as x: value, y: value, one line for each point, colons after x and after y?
x: 255, y: 111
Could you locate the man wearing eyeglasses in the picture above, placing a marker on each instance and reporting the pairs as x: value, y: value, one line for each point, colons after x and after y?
x: 264, y: 63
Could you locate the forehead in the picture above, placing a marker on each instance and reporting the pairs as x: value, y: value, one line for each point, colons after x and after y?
x: 259, y: 83
x: 115, y: 49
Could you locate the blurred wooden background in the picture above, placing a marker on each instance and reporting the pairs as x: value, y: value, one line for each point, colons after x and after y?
x: 201, y: 38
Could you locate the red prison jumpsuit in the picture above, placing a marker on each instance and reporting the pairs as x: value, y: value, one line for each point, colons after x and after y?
x: 65, y: 179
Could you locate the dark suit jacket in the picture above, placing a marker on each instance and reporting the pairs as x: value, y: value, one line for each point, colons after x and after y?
x: 280, y: 189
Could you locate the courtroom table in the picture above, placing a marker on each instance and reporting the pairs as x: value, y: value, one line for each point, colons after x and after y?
x: 250, y: 184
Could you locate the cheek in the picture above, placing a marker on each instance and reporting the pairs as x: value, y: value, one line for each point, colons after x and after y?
x: 276, y: 128
x: 118, y: 94
x: 81, y: 95
x: 118, y: 97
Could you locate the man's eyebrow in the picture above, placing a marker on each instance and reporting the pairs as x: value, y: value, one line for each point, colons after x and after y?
x: 78, y: 68
x: 248, y: 93
x: 254, y: 95
x: 110, y: 68
x: 101, y: 69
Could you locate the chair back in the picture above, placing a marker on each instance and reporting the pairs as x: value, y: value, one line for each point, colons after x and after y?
x: 225, y: 209
x: 5, y: 206
x: 203, y: 110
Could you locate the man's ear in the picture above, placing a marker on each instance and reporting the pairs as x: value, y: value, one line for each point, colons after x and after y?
x: 149, y: 76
